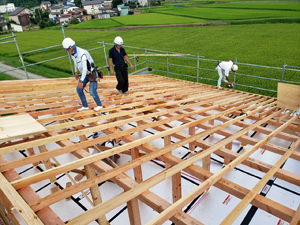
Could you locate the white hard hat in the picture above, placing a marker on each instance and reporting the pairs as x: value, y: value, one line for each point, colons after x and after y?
x: 118, y: 41
x: 234, y: 67
x: 67, y: 43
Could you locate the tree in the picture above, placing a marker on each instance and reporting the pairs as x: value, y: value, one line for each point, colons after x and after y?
x: 116, y: 3
x: 42, y: 24
x: 75, y: 20
x: 78, y: 3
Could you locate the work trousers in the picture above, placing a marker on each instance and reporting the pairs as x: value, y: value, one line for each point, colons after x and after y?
x: 93, y: 91
x: 222, y: 76
x: 122, y: 78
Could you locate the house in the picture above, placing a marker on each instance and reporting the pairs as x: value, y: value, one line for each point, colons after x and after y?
x: 72, y: 8
x: 18, y: 11
x: 107, y: 4
x: 54, y: 9
x: 68, y: 3
x: 24, y: 19
x: 67, y: 9
x: 16, y: 27
x: 123, y: 10
x: 65, y: 18
x: 44, y: 5
x: 54, y: 15
x: 92, y: 7
x: 86, y: 17
x: 104, y: 12
x: 7, y: 8
x: 143, y: 2
x: 3, y: 24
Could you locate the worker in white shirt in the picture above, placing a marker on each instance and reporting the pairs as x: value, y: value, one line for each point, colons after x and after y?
x: 85, y: 64
x: 223, y: 69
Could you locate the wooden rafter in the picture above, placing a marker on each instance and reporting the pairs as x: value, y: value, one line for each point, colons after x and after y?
x: 172, y: 108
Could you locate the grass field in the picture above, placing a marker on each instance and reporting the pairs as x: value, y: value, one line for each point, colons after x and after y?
x: 227, y: 14
x: 96, y: 24
x: 136, y: 20
x: 154, y: 19
x: 258, y: 44
x: 258, y: 5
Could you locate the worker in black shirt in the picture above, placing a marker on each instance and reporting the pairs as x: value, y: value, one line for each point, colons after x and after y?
x: 117, y: 55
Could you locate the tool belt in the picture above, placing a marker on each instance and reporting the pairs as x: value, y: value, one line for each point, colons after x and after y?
x: 92, y: 77
x: 99, y: 75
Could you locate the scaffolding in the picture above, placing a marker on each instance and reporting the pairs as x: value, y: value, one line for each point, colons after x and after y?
x: 194, y: 68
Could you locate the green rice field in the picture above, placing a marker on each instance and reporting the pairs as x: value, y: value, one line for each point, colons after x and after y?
x: 268, y: 44
x: 227, y: 14
x: 154, y: 19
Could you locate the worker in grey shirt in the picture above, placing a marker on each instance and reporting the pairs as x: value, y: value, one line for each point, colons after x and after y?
x: 85, y: 64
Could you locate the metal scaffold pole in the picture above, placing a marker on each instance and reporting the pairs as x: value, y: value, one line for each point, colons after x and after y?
x: 62, y: 29
x: 108, y: 73
x: 167, y: 63
x: 20, y: 55
x: 283, y: 69
x: 198, y: 68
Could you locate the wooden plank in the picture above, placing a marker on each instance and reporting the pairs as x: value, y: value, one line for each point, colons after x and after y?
x: 288, y: 96
x: 6, y: 150
x: 18, y: 126
x: 47, y: 162
x: 104, y: 208
x: 296, y: 217
x: 250, y: 196
x: 16, y: 203
x: 28, y: 194
x: 55, y: 171
x: 138, y: 175
x: 206, y: 184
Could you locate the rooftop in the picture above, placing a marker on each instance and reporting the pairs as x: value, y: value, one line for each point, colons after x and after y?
x: 184, y: 148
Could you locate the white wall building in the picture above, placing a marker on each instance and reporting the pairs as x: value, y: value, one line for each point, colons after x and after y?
x: 10, y: 7
x: 92, y: 7
x: 16, y: 27
x: 20, y: 10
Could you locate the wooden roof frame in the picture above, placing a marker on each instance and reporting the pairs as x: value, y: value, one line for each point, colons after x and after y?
x: 154, y: 102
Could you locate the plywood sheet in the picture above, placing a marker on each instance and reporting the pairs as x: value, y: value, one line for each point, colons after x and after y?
x: 288, y: 96
x: 18, y: 126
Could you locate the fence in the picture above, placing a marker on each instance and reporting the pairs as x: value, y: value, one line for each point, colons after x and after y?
x: 185, y: 66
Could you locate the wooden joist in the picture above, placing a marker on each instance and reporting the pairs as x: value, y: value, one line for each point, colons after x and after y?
x: 179, y: 112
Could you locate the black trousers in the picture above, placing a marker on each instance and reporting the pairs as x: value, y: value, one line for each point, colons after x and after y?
x: 122, y: 78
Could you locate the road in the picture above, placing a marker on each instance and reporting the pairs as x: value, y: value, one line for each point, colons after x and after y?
x: 19, y: 74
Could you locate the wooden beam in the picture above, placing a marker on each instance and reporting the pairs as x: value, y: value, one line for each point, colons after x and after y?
x: 138, y: 175
x: 296, y: 217
x: 28, y: 194
x: 250, y: 196
x: 47, y: 162
x: 213, y: 179
x: 15, y: 204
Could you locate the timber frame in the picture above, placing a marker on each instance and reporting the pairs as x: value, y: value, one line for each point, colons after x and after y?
x: 154, y: 102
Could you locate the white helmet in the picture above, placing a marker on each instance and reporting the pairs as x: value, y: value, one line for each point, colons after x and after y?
x: 118, y: 41
x: 67, y: 43
x: 234, y: 67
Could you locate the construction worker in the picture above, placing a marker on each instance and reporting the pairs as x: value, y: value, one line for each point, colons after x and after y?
x: 85, y: 64
x: 117, y: 55
x: 223, y: 69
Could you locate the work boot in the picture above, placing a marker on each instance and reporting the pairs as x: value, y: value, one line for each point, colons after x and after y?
x: 83, y: 109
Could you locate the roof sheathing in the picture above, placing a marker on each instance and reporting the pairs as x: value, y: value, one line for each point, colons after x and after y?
x: 174, y: 110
